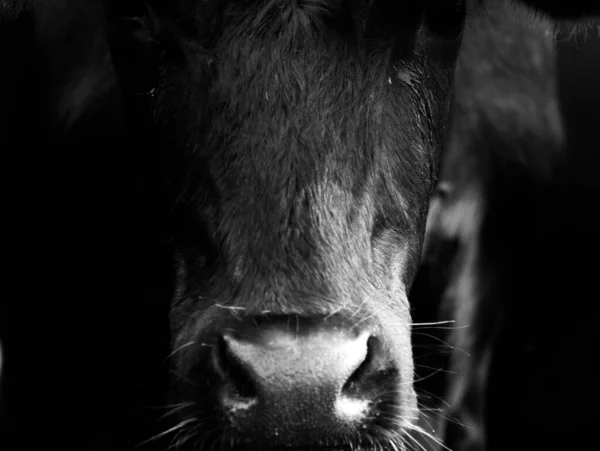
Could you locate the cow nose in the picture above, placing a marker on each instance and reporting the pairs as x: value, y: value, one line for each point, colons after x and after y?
x: 292, y: 388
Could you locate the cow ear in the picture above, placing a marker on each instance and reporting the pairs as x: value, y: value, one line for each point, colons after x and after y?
x: 561, y: 9
x: 573, y: 30
x: 571, y: 20
x: 135, y: 42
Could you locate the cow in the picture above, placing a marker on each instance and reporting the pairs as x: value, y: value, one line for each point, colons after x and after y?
x: 502, y: 233
x: 296, y: 144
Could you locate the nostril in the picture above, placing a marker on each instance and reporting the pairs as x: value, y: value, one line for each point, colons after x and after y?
x: 233, y: 371
x: 369, y: 366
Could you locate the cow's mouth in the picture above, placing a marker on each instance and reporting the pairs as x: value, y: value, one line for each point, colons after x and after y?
x: 382, y: 432
x: 231, y: 444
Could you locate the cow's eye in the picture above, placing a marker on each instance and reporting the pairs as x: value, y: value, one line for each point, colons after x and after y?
x: 445, y: 17
x: 442, y: 190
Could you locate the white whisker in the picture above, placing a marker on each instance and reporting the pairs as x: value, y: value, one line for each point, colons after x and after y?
x: 180, y: 425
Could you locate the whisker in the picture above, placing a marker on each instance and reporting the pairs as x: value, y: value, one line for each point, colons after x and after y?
x: 183, y: 436
x: 183, y: 346
x: 415, y: 441
x: 164, y: 407
x: 229, y: 307
x: 183, y: 378
x: 232, y: 309
x: 168, y: 431
x: 358, y: 309
x: 335, y: 311
x: 438, y: 411
x: 454, y: 348
x: 418, y: 365
x: 364, y: 318
x: 426, y: 435
x: 433, y: 373
x: 428, y: 395
x: 434, y: 323
x: 177, y: 409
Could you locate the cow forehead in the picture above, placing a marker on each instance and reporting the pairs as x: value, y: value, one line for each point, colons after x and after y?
x: 306, y: 144
x: 318, y: 113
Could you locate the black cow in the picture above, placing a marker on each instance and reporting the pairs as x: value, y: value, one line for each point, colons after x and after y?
x: 301, y: 140
x: 308, y: 135
x: 504, y: 234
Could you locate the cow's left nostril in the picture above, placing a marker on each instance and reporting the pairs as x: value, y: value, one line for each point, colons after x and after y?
x: 370, y: 366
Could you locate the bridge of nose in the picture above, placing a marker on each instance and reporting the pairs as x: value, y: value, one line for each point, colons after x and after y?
x: 279, y: 360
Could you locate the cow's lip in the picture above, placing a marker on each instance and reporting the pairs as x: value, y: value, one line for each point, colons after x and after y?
x: 355, y: 445
x: 347, y: 447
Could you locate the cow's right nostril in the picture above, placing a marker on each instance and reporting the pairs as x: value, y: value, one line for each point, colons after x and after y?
x: 234, y: 371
